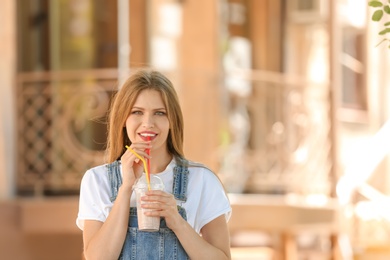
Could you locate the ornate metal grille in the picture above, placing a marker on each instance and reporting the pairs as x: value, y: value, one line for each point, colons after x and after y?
x: 61, y: 128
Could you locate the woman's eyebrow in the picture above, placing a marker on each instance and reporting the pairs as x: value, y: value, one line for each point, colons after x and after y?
x: 154, y: 109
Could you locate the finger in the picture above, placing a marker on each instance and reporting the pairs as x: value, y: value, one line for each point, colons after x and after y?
x: 140, y: 148
x: 130, y: 156
x: 159, y: 209
x: 158, y: 193
x: 136, y: 151
x: 164, y: 199
x: 165, y: 208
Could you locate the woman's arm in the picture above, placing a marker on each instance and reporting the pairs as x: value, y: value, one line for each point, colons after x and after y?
x: 214, y: 242
x: 105, y: 240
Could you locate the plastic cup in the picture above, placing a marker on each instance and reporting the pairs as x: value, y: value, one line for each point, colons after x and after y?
x: 147, y: 223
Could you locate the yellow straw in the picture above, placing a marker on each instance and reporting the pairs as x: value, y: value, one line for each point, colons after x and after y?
x: 144, y: 162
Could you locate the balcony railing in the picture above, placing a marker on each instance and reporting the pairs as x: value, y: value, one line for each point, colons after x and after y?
x: 61, y: 127
x: 287, y: 144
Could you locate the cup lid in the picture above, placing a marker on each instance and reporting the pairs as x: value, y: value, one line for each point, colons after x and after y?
x: 156, y: 182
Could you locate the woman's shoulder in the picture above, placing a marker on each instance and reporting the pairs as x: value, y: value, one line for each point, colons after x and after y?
x: 199, y: 170
x: 99, y: 169
x: 96, y: 174
x: 192, y: 165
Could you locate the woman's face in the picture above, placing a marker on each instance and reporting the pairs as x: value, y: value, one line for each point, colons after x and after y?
x: 148, y: 119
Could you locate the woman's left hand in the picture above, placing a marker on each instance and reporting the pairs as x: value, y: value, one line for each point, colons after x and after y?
x: 163, y: 205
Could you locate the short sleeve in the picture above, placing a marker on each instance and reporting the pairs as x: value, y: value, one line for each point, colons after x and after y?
x: 94, y: 198
x: 214, y: 201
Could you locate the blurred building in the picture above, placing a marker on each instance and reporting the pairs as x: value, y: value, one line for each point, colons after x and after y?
x: 279, y: 97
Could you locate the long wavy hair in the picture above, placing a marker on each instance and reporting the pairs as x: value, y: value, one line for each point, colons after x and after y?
x: 124, y: 100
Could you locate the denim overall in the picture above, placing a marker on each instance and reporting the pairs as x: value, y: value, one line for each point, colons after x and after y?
x: 163, y: 244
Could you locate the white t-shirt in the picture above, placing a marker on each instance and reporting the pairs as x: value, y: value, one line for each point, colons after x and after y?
x: 206, y: 198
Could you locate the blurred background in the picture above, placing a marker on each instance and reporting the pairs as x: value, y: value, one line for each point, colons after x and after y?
x: 286, y: 100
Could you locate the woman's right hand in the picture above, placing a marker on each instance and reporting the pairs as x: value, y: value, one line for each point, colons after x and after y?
x: 132, y: 166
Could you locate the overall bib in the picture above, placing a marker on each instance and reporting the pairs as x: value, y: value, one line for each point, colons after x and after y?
x: 141, y: 245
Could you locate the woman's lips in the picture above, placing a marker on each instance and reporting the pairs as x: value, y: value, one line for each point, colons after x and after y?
x: 147, y: 136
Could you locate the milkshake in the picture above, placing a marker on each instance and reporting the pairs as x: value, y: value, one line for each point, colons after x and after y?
x: 147, y: 223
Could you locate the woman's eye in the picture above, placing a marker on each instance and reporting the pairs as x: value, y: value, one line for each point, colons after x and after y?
x: 136, y: 112
x: 160, y: 113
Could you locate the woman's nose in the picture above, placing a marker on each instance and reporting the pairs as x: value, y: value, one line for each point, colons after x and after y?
x: 148, y: 121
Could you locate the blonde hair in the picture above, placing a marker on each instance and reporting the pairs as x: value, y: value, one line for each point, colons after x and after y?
x: 124, y: 100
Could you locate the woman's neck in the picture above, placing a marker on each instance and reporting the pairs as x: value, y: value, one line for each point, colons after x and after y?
x: 159, y: 161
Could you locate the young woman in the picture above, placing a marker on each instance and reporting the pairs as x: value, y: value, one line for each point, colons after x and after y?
x: 193, y: 208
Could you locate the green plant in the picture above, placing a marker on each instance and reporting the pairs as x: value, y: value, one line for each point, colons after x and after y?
x: 381, y: 10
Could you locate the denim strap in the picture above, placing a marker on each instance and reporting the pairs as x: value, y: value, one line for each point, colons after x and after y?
x: 180, y: 180
x: 115, y: 178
